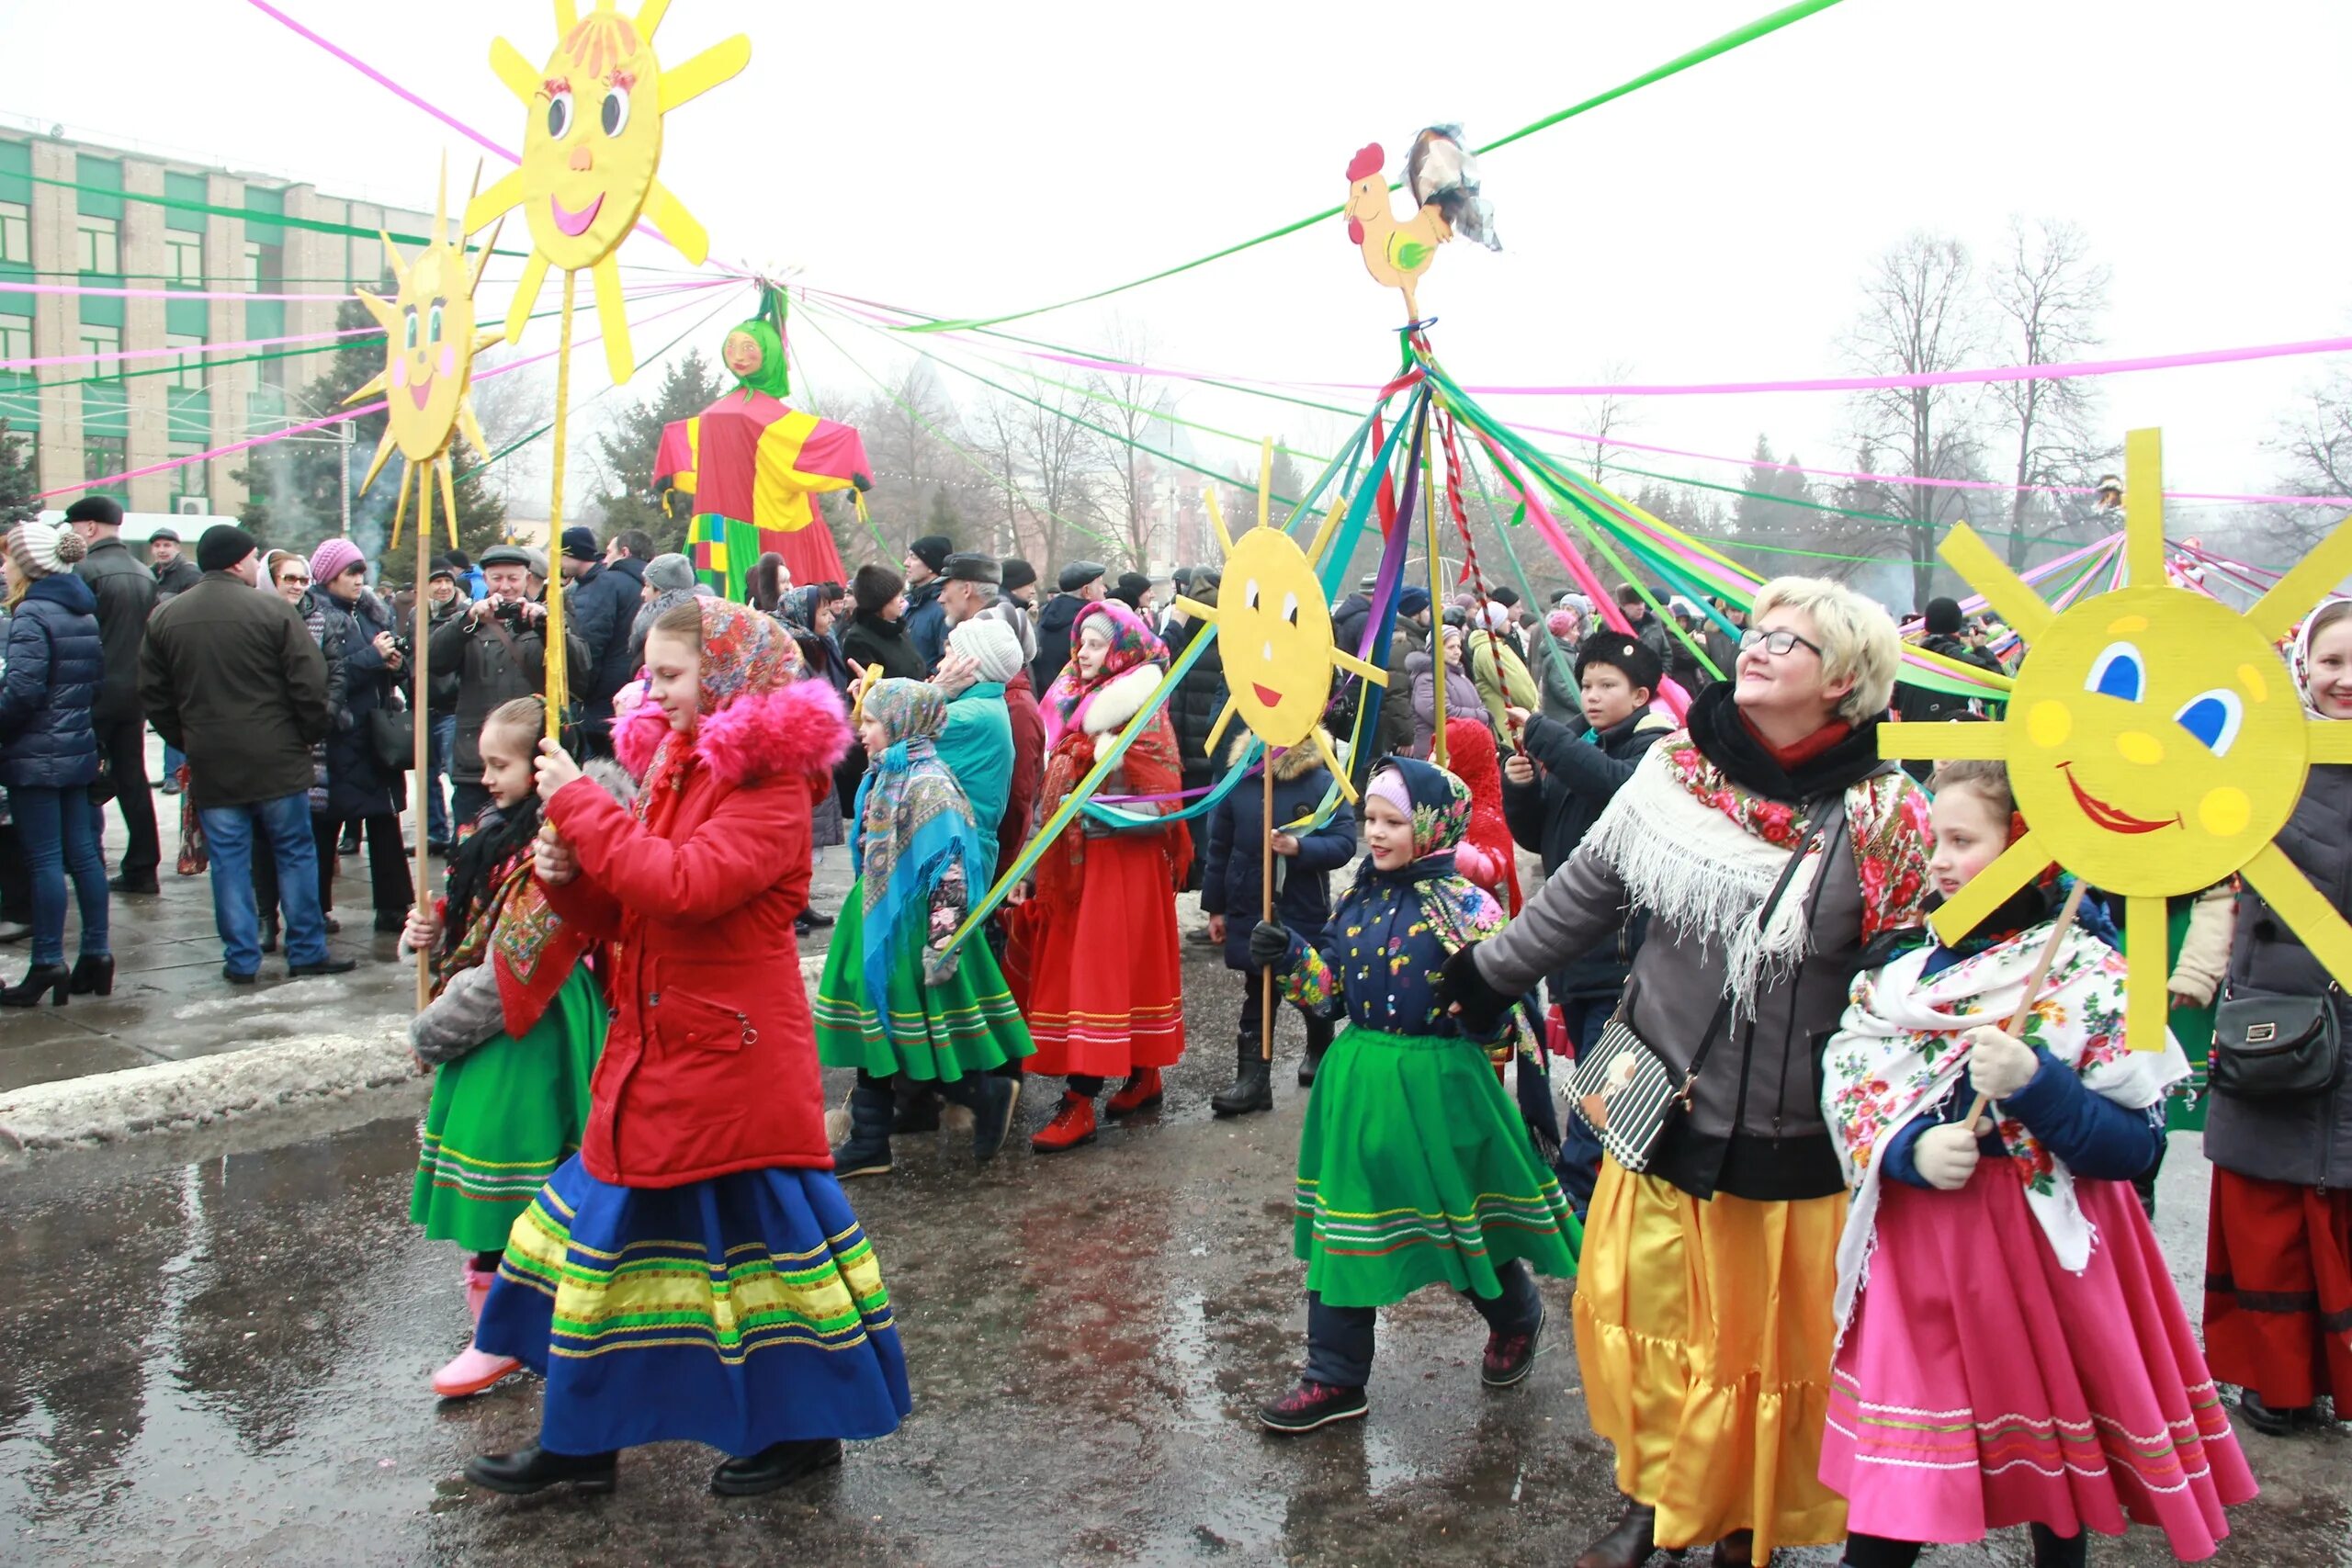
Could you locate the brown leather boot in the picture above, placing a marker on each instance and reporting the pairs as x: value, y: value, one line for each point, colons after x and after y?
x: 1737, y: 1549
x: 1630, y: 1545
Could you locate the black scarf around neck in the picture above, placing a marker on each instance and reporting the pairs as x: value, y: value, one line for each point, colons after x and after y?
x: 1722, y: 739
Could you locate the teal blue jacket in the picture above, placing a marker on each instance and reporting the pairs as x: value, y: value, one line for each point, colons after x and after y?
x: 977, y: 746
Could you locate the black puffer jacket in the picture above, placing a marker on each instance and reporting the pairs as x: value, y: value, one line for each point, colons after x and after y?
x: 126, y: 595
x: 1198, y: 698
x: 1233, y: 878
x: 1574, y: 781
x: 2307, y: 1139
x: 1052, y: 639
x: 55, y: 664
x: 603, y: 604
x: 358, y: 682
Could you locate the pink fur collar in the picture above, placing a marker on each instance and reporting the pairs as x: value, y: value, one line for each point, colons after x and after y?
x: 795, y: 729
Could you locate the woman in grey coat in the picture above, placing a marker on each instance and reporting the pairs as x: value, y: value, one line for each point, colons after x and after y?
x: 2279, y: 1247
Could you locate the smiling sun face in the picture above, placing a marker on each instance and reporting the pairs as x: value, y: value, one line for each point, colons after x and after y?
x: 592, y: 146
x: 429, y: 347
x: 1273, y: 633
x: 2154, y: 741
x: 2163, y: 744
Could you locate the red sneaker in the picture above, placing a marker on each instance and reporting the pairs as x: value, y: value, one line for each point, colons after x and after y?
x: 1073, y: 1124
x: 1140, y: 1092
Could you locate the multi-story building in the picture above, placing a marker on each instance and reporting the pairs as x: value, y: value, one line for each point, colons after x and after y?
x: 96, y: 217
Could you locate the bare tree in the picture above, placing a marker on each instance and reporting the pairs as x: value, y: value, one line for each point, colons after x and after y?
x: 1918, y: 316
x: 910, y: 427
x: 2048, y: 297
x: 2315, y: 439
x: 1605, y: 416
x: 1132, y: 407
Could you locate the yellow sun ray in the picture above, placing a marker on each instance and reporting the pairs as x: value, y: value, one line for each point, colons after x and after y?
x: 1990, y: 888
x: 1354, y: 666
x: 1265, y: 478
x: 649, y: 18
x: 2330, y: 741
x: 384, y: 449
x: 2305, y: 910
x: 522, y: 79
x: 719, y: 63
x: 400, y: 505
x: 678, y: 226
x: 1921, y: 742
x: 2143, y: 508
x: 1216, y: 519
x: 1217, y: 730
x: 620, y: 355
x: 526, y: 295
x: 1331, y: 761
x: 446, y: 470
x: 2011, y: 597
x: 2146, y: 1002
x: 470, y: 428
x: 504, y: 193
x: 2310, y: 581
x: 1323, y: 536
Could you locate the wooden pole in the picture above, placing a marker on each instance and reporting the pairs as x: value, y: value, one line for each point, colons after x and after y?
x: 1437, y: 606
x: 421, y: 711
x: 2041, y: 973
x: 559, y: 678
x: 1266, y: 913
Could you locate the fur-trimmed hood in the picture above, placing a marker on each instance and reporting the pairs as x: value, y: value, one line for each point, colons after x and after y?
x: 794, y: 730
x: 1119, y: 700
x: 1294, y: 763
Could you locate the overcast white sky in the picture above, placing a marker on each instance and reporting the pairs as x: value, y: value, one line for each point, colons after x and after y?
x: 967, y: 159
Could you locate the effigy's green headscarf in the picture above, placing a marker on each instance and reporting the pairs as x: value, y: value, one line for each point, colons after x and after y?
x: 773, y: 375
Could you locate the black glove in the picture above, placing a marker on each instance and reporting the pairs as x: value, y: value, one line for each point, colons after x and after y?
x: 1268, y: 944
x: 1477, y: 1005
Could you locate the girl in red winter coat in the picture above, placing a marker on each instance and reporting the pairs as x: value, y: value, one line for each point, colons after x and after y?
x: 1484, y: 855
x: 694, y: 1272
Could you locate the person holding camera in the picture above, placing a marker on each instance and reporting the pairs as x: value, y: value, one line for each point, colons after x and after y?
x: 367, y: 660
x: 498, y: 650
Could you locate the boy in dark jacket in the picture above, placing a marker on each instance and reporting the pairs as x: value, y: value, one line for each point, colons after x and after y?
x: 1552, y: 794
x: 1233, y: 893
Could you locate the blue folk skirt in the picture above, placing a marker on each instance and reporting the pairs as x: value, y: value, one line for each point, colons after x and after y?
x: 738, y: 1312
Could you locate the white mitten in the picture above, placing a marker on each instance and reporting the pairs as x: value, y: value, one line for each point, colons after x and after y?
x: 1999, y: 1064
x: 1945, y: 1155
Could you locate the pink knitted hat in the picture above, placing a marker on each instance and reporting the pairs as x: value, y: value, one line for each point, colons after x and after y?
x: 332, y: 559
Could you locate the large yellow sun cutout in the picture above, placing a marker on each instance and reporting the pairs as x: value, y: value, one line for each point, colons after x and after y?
x: 2155, y: 742
x: 429, y: 349
x: 591, y: 147
x: 1274, y: 631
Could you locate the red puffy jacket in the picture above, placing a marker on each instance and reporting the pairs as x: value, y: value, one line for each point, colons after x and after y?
x: 710, y: 1065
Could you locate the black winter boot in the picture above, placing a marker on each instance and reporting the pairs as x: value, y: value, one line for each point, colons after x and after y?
x: 1252, y: 1088
x: 867, y: 1152
x: 1318, y: 1040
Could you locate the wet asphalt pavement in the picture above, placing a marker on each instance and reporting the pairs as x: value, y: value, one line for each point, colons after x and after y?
x: 214, y: 1347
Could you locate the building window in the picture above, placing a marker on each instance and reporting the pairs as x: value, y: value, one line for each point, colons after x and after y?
x: 187, y: 370
x: 189, y: 478
x: 103, y: 456
x: 16, y: 339
x: 185, y: 254
x: 97, y: 338
x: 100, y: 245
x: 15, y: 232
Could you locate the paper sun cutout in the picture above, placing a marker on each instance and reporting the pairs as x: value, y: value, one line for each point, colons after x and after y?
x: 429, y: 349
x: 1275, y: 632
x: 591, y: 146
x: 2154, y: 742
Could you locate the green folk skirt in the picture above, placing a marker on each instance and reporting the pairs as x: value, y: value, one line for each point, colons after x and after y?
x: 503, y: 1116
x: 936, y: 1033
x: 1415, y: 1168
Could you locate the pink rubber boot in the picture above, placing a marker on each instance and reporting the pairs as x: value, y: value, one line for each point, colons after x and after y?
x: 473, y: 1369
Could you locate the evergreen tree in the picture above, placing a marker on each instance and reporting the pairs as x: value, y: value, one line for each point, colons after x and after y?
x: 19, y: 483
x: 944, y: 518
x: 625, y: 449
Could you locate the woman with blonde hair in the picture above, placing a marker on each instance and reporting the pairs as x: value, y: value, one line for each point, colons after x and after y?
x: 1768, y: 846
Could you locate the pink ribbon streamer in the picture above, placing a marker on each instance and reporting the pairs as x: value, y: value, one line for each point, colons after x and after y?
x: 87, y: 290
x: 378, y: 407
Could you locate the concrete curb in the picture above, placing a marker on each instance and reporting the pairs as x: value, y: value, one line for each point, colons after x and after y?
x: 170, y: 1096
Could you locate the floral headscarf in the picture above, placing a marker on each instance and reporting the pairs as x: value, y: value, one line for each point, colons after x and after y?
x: 745, y: 653
x: 2299, y: 656
x: 1133, y: 644
x: 799, y: 609
x: 914, y: 832
x: 1441, y: 803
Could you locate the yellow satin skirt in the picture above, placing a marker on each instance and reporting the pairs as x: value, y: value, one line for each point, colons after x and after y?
x: 1704, y: 1332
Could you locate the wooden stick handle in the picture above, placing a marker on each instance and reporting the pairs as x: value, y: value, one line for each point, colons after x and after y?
x: 1266, y: 905
x: 421, y: 713
x: 2040, y: 972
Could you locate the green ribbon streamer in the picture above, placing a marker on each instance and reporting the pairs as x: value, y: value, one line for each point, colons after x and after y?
x: 314, y: 225
x: 1760, y: 27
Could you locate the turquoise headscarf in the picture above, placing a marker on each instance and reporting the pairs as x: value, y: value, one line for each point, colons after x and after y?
x: 914, y: 826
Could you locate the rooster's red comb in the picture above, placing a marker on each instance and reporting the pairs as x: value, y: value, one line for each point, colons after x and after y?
x: 1370, y: 161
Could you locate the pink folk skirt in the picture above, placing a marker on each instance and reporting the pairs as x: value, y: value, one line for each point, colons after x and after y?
x: 1983, y: 1385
